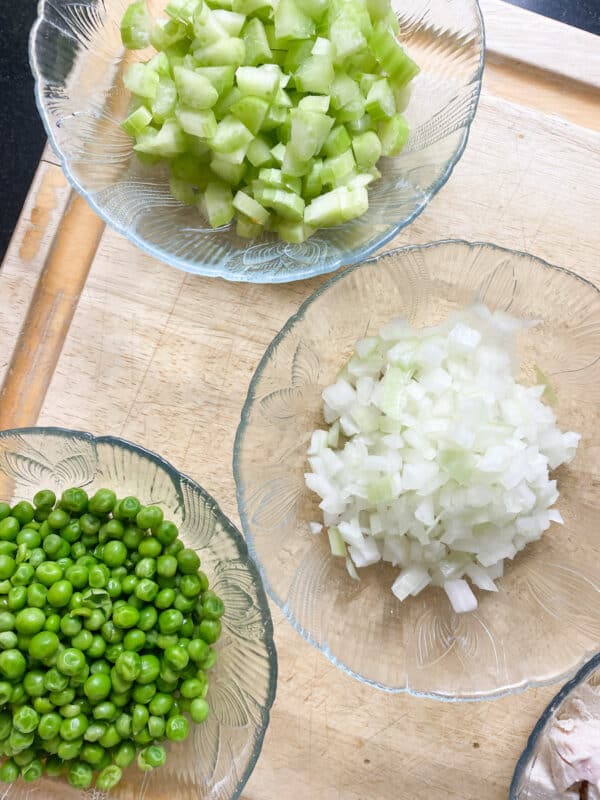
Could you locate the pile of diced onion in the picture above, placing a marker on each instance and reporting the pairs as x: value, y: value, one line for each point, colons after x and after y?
x: 436, y: 459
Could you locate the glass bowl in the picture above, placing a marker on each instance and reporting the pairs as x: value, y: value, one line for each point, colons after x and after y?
x: 218, y: 756
x: 545, y: 620
x: 524, y: 786
x: 78, y: 61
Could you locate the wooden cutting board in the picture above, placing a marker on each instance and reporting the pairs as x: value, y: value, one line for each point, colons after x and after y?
x: 98, y: 336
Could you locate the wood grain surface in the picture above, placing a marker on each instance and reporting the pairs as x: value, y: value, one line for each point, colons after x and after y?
x: 165, y: 358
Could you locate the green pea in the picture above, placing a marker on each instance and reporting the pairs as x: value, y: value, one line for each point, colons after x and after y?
x: 81, y: 677
x: 150, y: 547
x: 192, y: 687
x: 156, y: 727
x: 114, y: 651
x: 7, y: 567
x: 170, y: 620
x: 29, y: 537
x: 30, y: 620
x: 145, y: 568
x: 54, y: 767
x: 126, y: 616
x: 127, y: 508
x: 58, y: 518
x: 36, y: 557
x: 45, y: 498
x: 111, y: 737
x: 113, y: 587
x: 177, y: 728
x: 174, y: 548
x: 139, y: 716
x: 177, y: 657
x: 98, y: 576
x: 5, y: 725
x: 59, y: 594
x: 95, y: 620
x: 125, y: 755
x: 129, y: 583
x: 121, y: 699
x: 19, y: 741
x: 109, y: 778
x: 70, y: 661
x: 165, y: 598
x: 5, y: 693
x: 132, y: 536
x: 190, y: 585
x: 74, y: 500
x: 52, y: 623
x: 89, y: 524
x: 36, y: 595
x: 4, y: 510
x: 12, y: 664
x: 8, y: 640
x: 166, y: 532
x: 110, y: 632
x: 23, y: 512
x: 151, y: 638
x: 113, y: 529
x: 22, y: 575
x: 129, y: 665
x: 26, y: 719
x: 161, y: 704
x: 184, y: 604
x: 70, y: 710
x: 115, y: 553
x: 135, y: 638
x: 102, y: 502
x: 55, y: 681
x: 7, y: 621
x: 48, y: 572
x: 33, y: 683
x: 97, y: 647
x: 82, y: 640
x: 168, y: 674
x: 101, y: 665
x: 143, y: 693
x: 92, y: 754
x: 123, y: 725
x: 119, y: 684
x: 9, y: 771
x: 9, y: 528
x: 134, y: 601
x: 97, y: 687
x: 210, y: 630
x: 63, y: 698
x: 70, y: 626
x: 166, y: 640
x: 95, y: 730
x: 188, y: 561
x: 149, y: 669
x: 67, y: 751
x: 49, y: 725
x: 32, y: 771
x: 73, y: 727
x: 8, y: 548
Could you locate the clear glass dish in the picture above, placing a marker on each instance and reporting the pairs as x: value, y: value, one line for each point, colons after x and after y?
x: 78, y: 62
x: 217, y: 758
x: 545, y: 619
x: 523, y: 786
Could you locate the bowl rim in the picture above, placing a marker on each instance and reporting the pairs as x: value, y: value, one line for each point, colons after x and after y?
x: 230, y: 529
x: 240, y: 492
x: 588, y: 668
x: 269, y: 276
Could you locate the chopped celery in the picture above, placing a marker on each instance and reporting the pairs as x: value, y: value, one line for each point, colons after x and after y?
x: 257, y: 45
x: 380, y: 102
x: 197, y: 122
x: 367, y: 149
x: 337, y: 142
x: 393, y: 134
x: 259, y: 153
x: 183, y: 191
x: 183, y: 10
x: 291, y: 22
x: 195, y: 91
x: 137, y: 121
x: 220, y: 77
x: 293, y: 232
x: 141, y: 80
x: 251, y: 111
x: 230, y: 135
x: 217, y: 204
x: 224, y: 51
x: 248, y: 206
x: 135, y: 26
x: 276, y: 111
x: 309, y: 132
x: 247, y: 229
x: 316, y: 75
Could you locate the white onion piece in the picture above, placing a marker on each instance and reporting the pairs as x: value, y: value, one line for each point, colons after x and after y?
x: 435, y: 459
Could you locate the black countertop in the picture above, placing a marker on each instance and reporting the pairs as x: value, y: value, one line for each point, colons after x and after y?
x: 22, y: 132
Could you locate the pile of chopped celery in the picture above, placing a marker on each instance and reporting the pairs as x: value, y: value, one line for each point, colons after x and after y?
x: 274, y: 112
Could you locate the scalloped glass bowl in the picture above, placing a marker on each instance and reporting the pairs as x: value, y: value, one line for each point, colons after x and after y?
x: 522, y: 787
x: 77, y: 60
x: 216, y: 760
x: 545, y: 620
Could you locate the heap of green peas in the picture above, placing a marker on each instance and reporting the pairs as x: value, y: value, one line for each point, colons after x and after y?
x: 106, y: 627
